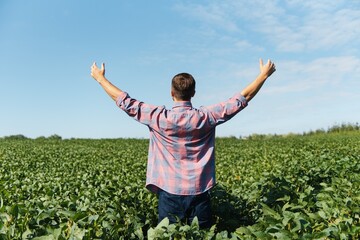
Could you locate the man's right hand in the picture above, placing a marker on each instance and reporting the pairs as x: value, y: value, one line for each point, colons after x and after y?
x: 96, y: 73
x: 267, y: 69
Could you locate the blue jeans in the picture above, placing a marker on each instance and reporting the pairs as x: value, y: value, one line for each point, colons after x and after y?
x: 185, y: 208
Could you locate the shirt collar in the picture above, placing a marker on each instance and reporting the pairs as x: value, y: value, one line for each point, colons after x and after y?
x: 182, y: 104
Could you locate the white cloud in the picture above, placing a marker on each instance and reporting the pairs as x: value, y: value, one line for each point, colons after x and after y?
x: 316, y: 5
x: 295, y: 76
x: 325, y: 31
x: 213, y: 14
x: 290, y: 26
x: 243, y: 45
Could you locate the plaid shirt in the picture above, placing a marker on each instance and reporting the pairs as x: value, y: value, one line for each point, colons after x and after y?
x: 181, y: 156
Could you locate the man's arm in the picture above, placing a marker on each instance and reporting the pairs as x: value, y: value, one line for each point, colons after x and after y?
x: 265, y: 71
x: 99, y: 76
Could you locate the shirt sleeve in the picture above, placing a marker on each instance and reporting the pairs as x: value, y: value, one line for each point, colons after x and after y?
x: 224, y: 111
x: 140, y: 111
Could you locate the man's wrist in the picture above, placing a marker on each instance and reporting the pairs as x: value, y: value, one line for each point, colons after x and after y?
x: 262, y: 77
x: 101, y: 80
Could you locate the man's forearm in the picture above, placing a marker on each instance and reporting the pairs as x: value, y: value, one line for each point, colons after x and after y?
x: 109, y: 88
x: 253, y: 88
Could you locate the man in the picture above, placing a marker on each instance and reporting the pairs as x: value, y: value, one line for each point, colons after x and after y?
x: 181, y: 158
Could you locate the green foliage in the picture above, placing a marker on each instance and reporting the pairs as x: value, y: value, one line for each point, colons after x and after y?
x: 15, y: 137
x: 337, y: 128
x: 55, y: 137
x: 298, y: 187
x: 344, y: 127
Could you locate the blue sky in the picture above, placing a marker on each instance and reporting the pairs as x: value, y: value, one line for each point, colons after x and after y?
x: 47, y: 48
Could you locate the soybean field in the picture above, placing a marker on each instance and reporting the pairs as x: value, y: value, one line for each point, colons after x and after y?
x: 277, y: 187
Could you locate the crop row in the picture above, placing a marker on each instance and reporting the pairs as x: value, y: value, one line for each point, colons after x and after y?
x: 300, y: 187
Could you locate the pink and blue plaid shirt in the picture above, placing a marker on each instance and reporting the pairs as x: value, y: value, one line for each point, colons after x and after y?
x: 181, y: 156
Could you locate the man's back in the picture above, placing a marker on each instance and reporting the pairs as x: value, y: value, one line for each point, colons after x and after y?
x: 182, y: 142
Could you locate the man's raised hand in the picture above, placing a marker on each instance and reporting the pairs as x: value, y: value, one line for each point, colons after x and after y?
x: 267, y: 69
x: 96, y: 73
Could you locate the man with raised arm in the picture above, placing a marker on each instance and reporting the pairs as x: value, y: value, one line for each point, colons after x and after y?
x: 181, y: 157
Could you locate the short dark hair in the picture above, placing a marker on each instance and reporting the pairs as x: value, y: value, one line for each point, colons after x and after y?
x: 183, y: 86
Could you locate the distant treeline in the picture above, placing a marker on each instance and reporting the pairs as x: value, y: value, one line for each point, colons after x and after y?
x: 344, y: 127
x: 20, y: 136
x: 337, y: 128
